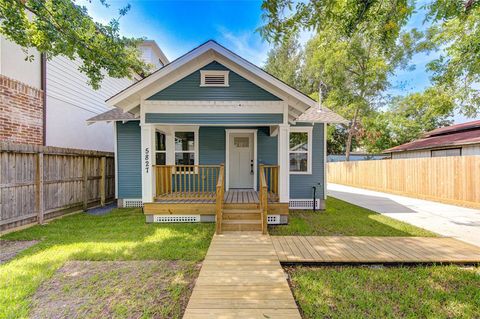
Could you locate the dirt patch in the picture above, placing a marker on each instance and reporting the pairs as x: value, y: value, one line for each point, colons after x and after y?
x: 116, y: 289
x: 10, y: 248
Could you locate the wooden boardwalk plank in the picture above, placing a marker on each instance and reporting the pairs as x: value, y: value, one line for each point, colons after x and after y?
x: 351, y: 249
x: 241, y: 277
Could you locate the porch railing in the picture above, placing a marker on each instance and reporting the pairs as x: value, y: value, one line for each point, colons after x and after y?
x: 271, y: 179
x: 187, y: 181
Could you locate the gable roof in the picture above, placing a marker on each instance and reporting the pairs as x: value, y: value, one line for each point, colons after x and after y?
x: 114, y: 114
x: 208, y: 52
x: 313, y: 115
x: 454, y: 135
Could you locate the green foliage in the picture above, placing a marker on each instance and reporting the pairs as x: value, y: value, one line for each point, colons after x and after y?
x: 357, y: 45
x: 407, y: 118
x: 120, y: 235
x: 284, y: 61
x: 387, y: 292
x: 337, y: 139
x: 344, y: 219
x: 61, y: 27
x: 456, y: 31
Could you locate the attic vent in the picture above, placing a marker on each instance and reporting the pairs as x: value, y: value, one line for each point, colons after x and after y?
x: 214, y: 78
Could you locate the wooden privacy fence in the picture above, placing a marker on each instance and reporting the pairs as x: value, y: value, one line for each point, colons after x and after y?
x: 454, y: 180
x: 38, y: 183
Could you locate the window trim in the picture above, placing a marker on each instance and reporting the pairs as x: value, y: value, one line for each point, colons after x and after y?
x: 195, y: 145
x: 204, y: 73
x: 309, y: 131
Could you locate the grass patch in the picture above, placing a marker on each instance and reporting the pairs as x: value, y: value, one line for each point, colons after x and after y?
x: 342, y: 218
x: 119, y: 235
x: 397, y: 292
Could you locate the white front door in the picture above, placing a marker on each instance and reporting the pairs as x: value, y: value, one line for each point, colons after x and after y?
x: 241, y: 166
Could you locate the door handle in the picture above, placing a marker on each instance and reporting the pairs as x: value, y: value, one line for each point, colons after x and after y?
x: 251, y: 167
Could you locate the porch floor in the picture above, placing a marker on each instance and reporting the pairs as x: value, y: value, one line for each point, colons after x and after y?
x: 232, y: 196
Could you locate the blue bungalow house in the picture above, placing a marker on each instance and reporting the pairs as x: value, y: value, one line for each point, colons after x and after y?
x: 210, y: 137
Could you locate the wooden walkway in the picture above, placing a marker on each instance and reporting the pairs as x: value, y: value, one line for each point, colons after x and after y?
x: 241, y: 277
x: 346, y: 249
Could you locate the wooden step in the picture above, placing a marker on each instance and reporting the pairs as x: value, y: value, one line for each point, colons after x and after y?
x: 241, y: 214
x: 241, y: 225
x: 241, y: 206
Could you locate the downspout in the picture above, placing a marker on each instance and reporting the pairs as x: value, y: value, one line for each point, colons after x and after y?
x: 43, y: 87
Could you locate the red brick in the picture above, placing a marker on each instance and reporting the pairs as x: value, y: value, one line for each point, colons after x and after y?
x: 22, y: 112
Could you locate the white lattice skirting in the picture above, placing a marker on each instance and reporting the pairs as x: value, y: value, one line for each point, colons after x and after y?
x: 132, y: 203
x: 176, y: 218
x: 303, y: 204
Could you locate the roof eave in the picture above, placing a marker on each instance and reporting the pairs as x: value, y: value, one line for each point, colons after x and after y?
x: 119, y: 99
x: 389, y: 151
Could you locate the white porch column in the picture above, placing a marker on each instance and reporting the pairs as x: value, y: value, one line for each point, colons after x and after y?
x: 283, y: 162
x: 148, y: 160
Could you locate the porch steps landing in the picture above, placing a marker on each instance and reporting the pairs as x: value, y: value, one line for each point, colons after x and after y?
x: 243, y: 217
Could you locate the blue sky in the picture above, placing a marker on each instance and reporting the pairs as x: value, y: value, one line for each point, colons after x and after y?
x: 178, y: 26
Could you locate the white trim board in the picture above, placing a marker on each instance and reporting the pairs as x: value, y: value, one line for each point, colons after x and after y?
x: 213, y: 107
x: 227, y: 154
x: 195, y: 59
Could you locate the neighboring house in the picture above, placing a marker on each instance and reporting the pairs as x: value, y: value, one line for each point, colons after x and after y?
x: 355, y: 156
x: 455, y: 140
x: 46, y: 102
x: 177, y: 126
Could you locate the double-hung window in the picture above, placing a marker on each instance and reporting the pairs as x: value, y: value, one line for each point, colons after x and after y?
x: 185, y: 148
x: 160, y: 148
x: 300, y: 150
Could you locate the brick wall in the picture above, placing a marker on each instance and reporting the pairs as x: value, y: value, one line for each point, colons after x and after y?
x: 21, y: 112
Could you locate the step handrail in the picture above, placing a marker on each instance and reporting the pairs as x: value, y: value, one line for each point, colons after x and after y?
x: 219, y: 202
x: 263, y: 198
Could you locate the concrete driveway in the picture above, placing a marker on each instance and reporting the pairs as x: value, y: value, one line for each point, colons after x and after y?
x: 446, y: 220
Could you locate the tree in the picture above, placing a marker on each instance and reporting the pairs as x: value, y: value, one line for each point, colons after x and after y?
x: 455, y: 30
x: 60, y: 27
x: 356, y: 46
x: 337, y: 136
x: 284, y: 61
x: 407, y: 118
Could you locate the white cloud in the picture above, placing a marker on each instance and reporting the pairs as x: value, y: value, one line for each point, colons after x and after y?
x: 247, y: 44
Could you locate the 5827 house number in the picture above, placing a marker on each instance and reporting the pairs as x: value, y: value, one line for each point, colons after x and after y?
x: 147, y: 160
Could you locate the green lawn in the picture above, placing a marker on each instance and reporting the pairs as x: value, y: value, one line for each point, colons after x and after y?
x: 344, y: 219
x: 119, y: 235
x: 397, y: 292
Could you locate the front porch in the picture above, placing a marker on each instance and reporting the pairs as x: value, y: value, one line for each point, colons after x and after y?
x: 197, y: 193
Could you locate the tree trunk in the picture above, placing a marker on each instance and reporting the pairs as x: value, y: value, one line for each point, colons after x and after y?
x: 353, y: 124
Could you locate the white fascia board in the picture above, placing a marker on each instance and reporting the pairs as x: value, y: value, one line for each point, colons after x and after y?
x: 263, y: 75
x: 151, y: 79
x: 202, y: 56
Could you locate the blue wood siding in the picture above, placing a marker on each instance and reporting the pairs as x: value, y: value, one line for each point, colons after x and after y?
x: 129, y: 160
x: 212, y: 145
x: 301, y: 185
x: 218, y: 118
x: 239, y: 89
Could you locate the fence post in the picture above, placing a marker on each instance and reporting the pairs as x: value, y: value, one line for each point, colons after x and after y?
x: 102, y: 180
x: 39, y: 188
x: 85, y: 182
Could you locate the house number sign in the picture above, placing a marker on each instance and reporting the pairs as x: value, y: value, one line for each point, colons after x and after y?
x: 147, y: 160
